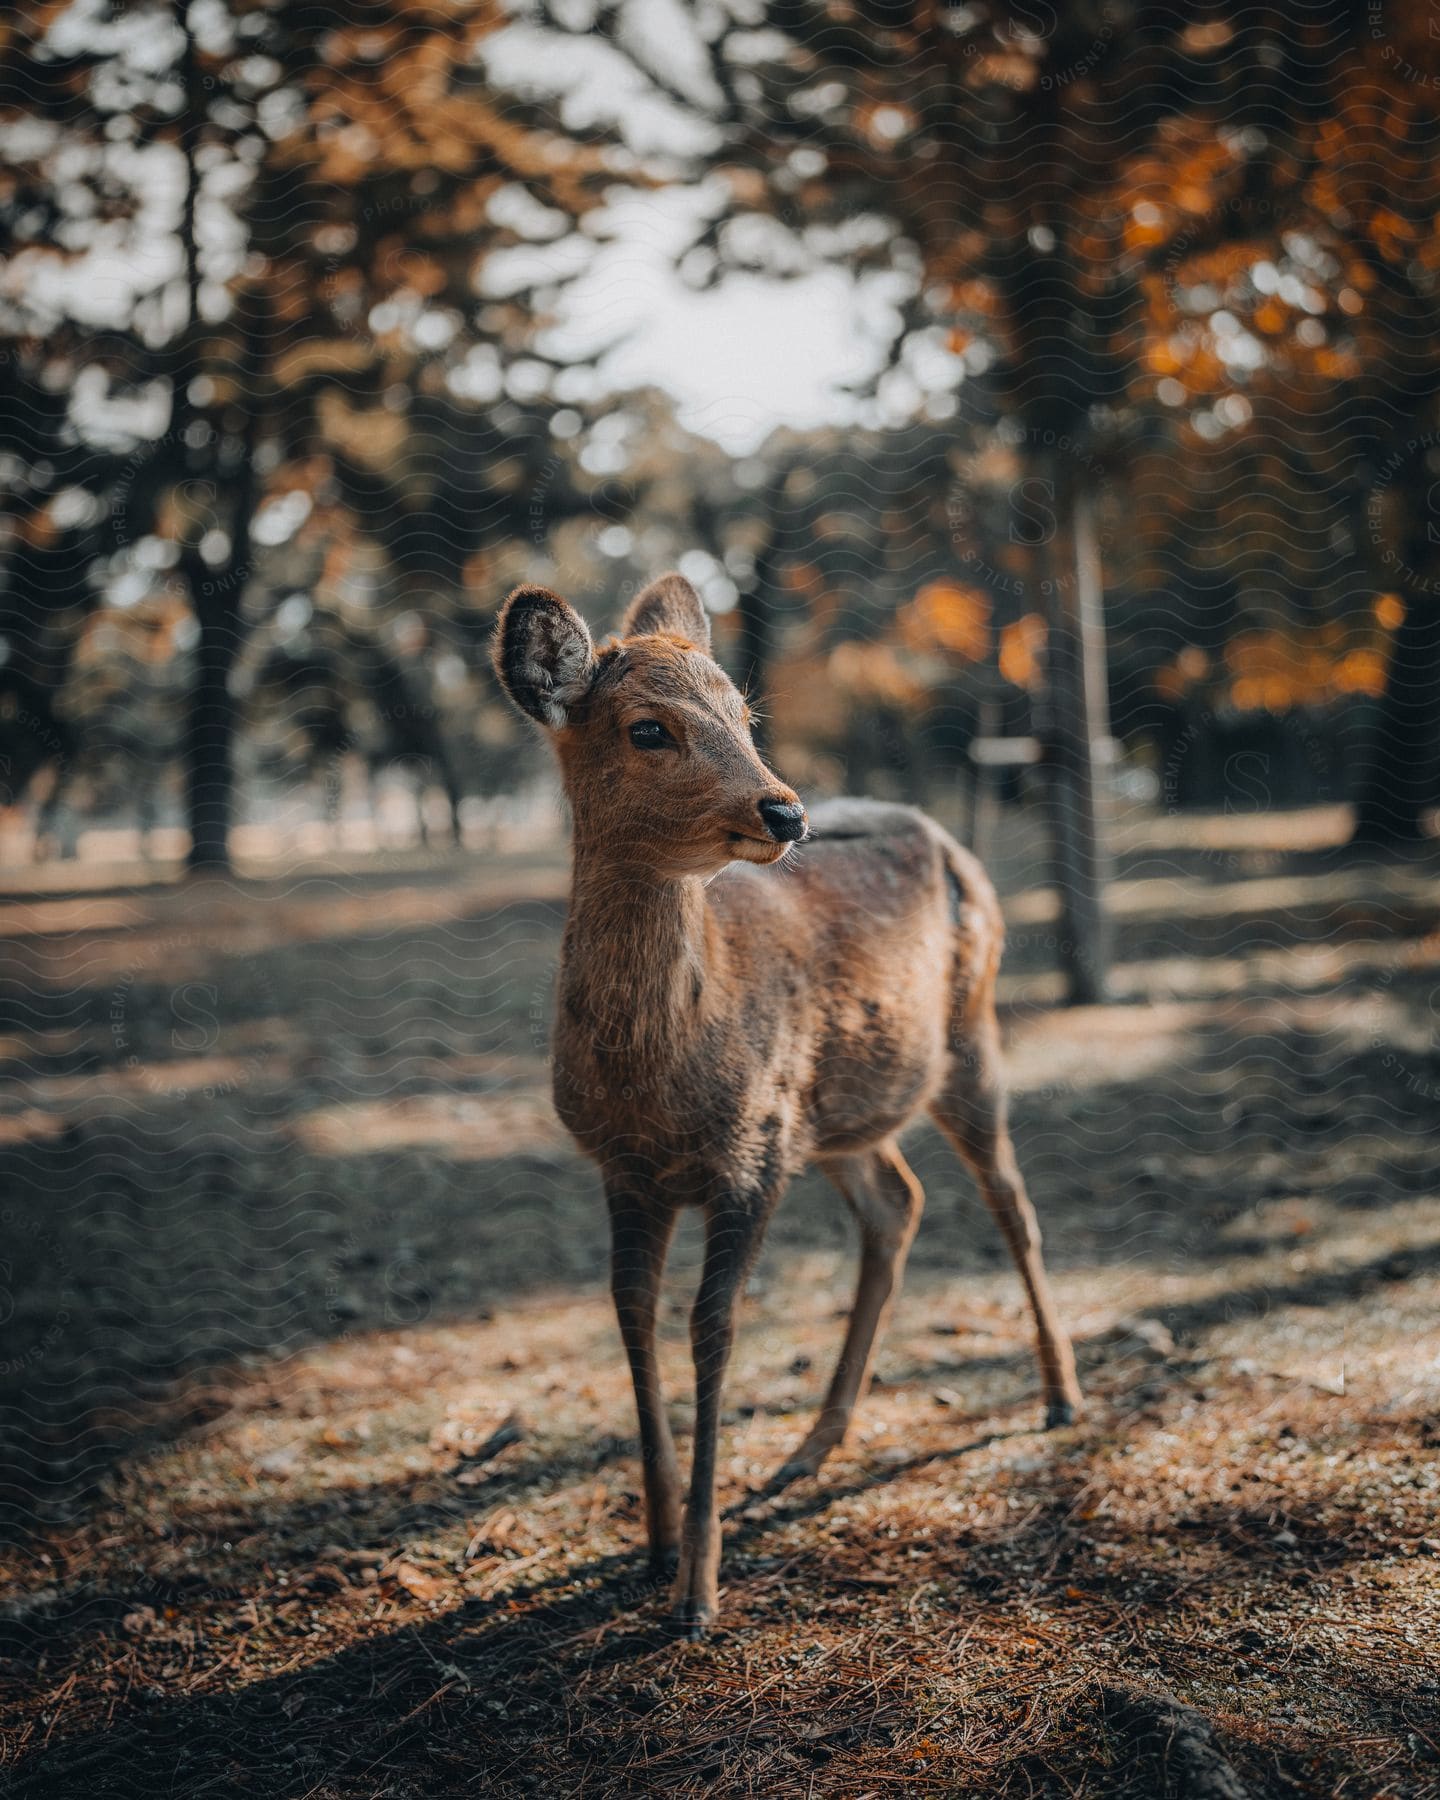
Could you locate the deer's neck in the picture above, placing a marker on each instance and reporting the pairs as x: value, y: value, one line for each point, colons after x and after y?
x: 639, y: 958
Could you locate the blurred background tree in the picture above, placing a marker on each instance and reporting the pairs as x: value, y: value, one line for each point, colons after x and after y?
x: 1190, y: 261
x: 245, y: 311
x: 309, y: 356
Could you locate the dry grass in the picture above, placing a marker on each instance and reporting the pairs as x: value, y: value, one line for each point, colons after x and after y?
x: 404, y: 1559
x: 327, y: 1591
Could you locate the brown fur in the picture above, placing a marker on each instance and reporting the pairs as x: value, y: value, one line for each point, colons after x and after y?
x: 732, y: 1008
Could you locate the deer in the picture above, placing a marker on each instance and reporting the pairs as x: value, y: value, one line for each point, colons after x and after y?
x: 744, y: 989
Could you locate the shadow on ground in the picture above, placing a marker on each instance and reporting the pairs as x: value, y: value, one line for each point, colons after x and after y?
x: 291, y: 1232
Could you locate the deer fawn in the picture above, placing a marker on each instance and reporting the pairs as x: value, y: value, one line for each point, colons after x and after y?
x: 714, y: 1035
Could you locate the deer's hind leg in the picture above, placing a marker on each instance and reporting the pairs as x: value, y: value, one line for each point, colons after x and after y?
x: 970, y: 1109
x: 887, y: 1200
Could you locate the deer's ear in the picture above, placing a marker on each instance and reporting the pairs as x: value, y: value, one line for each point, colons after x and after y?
x: 668, y: 604
x: 543, y: 655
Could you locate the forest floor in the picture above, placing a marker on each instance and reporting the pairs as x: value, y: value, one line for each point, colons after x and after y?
x: 318, y: 1461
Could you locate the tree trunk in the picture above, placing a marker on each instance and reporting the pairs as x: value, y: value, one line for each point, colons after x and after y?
x: 1074, y: 727
x: 210, y: 733
x: 215, y: 594
x: 756, y: 606
x: 752, y: 652
x: 1398, y: 782
x: 209, y: 726
x: 215, y: 586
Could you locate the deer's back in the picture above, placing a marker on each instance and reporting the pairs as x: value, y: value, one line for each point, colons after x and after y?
x: 860, y: 955
x: 868, y: 877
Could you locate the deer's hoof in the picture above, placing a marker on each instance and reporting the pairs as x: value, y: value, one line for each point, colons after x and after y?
x: 692, y: 1619
x: 1061, y: 1412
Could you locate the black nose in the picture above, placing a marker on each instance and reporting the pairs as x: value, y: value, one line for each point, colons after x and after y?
x: 784, y: 820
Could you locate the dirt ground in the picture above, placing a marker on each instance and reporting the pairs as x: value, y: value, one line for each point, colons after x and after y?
x: 318, y: 1466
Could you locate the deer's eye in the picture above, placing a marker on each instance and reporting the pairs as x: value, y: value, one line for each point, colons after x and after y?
x: 650, y: 734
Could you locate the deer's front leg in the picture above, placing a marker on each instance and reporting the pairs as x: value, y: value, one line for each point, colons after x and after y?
x: 639, y: 1237
x: 732, y: 1234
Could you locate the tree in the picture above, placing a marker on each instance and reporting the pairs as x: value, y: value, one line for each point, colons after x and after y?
x: 127, y: 301
x: 245, y: 256
x: 1206, y: 240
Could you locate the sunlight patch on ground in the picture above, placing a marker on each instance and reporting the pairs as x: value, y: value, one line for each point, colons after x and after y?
x: 468, y: 1127
x: 462, y: 1479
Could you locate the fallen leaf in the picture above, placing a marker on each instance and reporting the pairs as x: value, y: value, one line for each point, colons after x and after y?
x: 417, y: 1582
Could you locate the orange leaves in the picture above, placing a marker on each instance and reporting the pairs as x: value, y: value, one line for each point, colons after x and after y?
x: 402, y: 98
x: 1003, y: 70
x: 1175, y: 679
x: 368, y: 435
x: 872, y: 672
x: 802, y: 578
x: 1167, y: 356
x: 322, y: 356
x: 421, y: 77
x: 1271, y: 318
x: 1361, y: 672
x: 1145, y: 226
x: 1189, y: 170
x: 1196, y: 196
x: 398, y: 264
x: 1373, y: 157
x: 346, y: 155
x: 1274, y: 671
x: 1022, y: 649
x: 976, y: 296
x: 947, y: 616
x: 1337, y: 365
x: 371, y: 45
x: 1190, y: 353
x: 1203, y: 38
x: 1392, y: 234
x: 289, y: 291
x: 747, y: 186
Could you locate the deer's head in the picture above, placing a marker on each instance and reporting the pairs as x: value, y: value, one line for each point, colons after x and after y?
x: 653, y: 737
